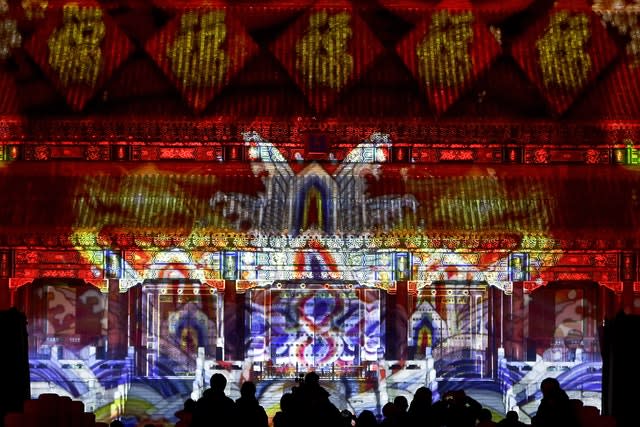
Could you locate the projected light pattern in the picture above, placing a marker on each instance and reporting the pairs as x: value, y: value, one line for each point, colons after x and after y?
x: 449, y: 323
x: 321, y: 256
x: 321, y: 327
x: 337, y: 330
x: 65, y: 321
x: 315, y: 329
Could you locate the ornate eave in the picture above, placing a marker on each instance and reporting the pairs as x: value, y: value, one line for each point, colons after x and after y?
x: 150, y: 139
x: 158, y: 240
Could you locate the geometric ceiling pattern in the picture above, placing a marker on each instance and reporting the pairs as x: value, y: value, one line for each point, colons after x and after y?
x: 422, y: 59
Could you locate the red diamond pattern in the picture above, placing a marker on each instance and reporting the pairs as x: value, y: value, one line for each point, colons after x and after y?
x: 237, y: 46
x: 115, y: 48
x: 600, y: 47
x: 362, y: 46
x: 483, y: 49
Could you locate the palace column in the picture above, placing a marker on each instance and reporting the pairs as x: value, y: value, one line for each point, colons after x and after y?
x: 396, y: 323
x: 6, y: 256
x: 628, y: 276
x: 233, y: 322
x: 117, y: 315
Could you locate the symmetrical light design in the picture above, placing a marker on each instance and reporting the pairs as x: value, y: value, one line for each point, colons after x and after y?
x: 74, y: 48
x: 563, y: 59
x: 200, y: 50
x: 344, y: 206
x: 78, y: 47
x: 326, y: 50
x: 446, y: 52
x: 563, y: 52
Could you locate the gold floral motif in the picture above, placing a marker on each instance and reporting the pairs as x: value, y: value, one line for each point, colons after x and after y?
x: 74, y: 48
x: 444, y: 58
x: 563, y: 58
x: 9, y: 37
x: 34, y: 8
x: 197, y: 56
x: 322, y: 54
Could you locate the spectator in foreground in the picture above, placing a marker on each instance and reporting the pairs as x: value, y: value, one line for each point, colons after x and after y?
x: 185, y: 415
x: 214, y: 407
x: 511, y: 420
x: 555, y: 410
x: 248, y: 411
x: 420, y: 409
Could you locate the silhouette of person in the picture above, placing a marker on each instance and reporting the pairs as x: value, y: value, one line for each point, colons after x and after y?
x: 484, y: 418
x: 390, y: 414
x: 511, y: 420
x: 456, y: 409
x: 366, y: 419
x: 312, y: 404
x: 420, y: 409
x: 347, y: 418
x: 555, y: 409
x: 248, y: 410
x: 214, y: 407
x: 285, y: 416
x: 402, y: 405
x: 185, y: 415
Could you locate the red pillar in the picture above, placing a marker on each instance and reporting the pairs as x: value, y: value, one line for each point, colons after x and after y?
x: 396, y: 323
x: 628, y: 275
x: 233, y: 322
x: 5, y: 294
x: 5, y: 273
x: 117, y: 321
x: 514, y: 317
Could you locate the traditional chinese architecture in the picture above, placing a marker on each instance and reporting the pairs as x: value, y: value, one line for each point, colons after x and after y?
x: 391, y: 193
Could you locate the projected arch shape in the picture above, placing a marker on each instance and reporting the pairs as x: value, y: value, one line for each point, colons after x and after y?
x: 180, y: 319
x: 313, y: 196
x: 450, y: 322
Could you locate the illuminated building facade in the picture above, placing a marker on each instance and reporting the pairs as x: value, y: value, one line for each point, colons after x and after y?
x: 416, y: 193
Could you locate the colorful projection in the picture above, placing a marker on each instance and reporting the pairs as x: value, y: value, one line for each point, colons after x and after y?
x: 269, y: 269
x: 327, y: 328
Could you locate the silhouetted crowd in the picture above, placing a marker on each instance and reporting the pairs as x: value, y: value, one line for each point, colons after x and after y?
x: 308, y: 405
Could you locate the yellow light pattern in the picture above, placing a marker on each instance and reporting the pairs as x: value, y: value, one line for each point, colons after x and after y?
x: 443, y: 55
x: 34, y: 8
x: 9, y: 35
x: 322, y: 54
x: 74, y: 49
x: 562, y: 48
x: 197, y: 55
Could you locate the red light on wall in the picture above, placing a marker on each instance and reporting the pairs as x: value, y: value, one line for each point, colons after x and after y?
x: 120, y: 152
x: 512, y: 155
x: 401, y: 154
x: 14, y: 152
x: 233, y: 153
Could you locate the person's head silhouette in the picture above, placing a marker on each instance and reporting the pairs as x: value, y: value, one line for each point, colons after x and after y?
x: 248, y: 390
x: 218, y: 382
x: 312, y: 379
